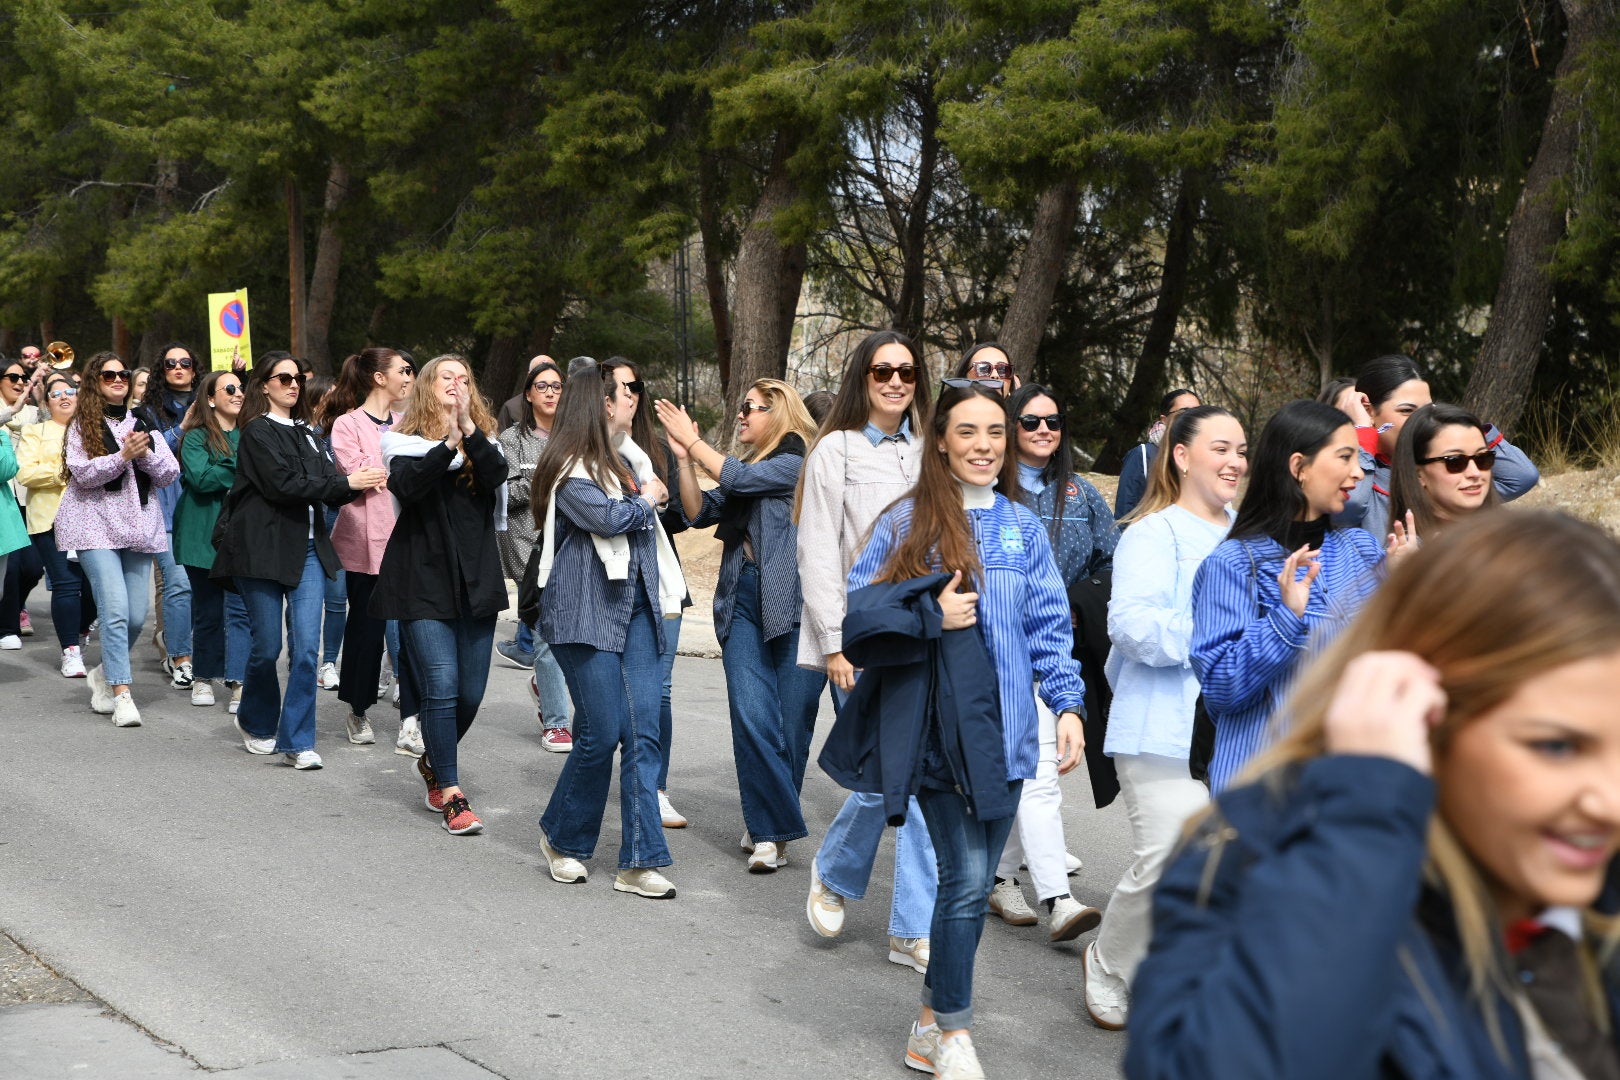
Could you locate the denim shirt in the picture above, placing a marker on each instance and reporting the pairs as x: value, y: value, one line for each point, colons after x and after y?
x: 772, y: 535
x: 1087, y: 537
x: 579, y: 605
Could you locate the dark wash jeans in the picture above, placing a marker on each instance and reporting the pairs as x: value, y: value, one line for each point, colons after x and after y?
x: 449, y: 667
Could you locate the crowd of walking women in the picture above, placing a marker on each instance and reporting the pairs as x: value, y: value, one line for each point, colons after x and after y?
x: 1358, y: 718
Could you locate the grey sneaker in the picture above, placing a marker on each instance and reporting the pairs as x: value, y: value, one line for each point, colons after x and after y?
x: 236, y: 696
x: 1007, y: 900
x: 644, y: 881
x: 360, y: 732
x: 922, y: 1047
x: 202, y: 692
x: 564, y: 868
x: 956, y: 1059
x: 909, y: 952
x: 124, y: 712
x: 1071, y: 918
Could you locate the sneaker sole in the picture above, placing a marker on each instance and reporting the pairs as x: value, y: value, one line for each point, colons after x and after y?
x: 406, y: 751
x: 475, y: 827
x: 907, y: 960
x: 127, y: 723
x: 73, y: 675
x: 309, y: 768
x: 766, y: 867
x: 363, y: 741
x: 522, y: 667
x: 918, y: 1062
x: 619, y: 886
x: 548, y: 748
x: 1088, y: 919
x: 1015, y: 920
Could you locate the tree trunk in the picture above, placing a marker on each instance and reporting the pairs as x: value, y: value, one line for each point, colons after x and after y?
x: 909, y: 314
x: 764, y: 275
x: 1147, y: 382
x: 160, y: 333
x: 1038, y: 275
x: 711, y: 229
x: 121, y: 338
x: 323, y: 281
x: 502, y: 365
x: 295, y: 269
x: 1501, y: 379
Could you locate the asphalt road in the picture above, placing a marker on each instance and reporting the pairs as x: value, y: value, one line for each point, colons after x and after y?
x: 229, y: 913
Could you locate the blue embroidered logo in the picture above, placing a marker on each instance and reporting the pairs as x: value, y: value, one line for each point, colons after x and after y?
x: 1012, y: 539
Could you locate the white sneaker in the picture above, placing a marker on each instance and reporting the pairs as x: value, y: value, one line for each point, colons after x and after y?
x: 1071, y: 918
x: 824, y: 908
x: 410, y: 742
x: 1108, y: 998
x: 236, y: 697
x: 747, y: 842
x: 304, y: 759
x: 668, y: 815
x: 360, y: 732
x: 1072, y: 863
x: 10, y: 641
x: 124, y: 712
x: 101, y: 697
x: 327, y: 679
x: 253, y: 745
x: 909, y: 952
x: 1007, y: 900
x: 956, y: 1059
x: 564, y: 868
x: 72, y: 663
x: 202, y: 692
x: 644, y: 881
x: 767, y: 858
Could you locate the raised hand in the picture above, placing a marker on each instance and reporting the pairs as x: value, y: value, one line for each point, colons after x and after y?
x: 1296, y: 590
x: 1384, y: 706
x: 681, y: 428
x: 1403, y: 540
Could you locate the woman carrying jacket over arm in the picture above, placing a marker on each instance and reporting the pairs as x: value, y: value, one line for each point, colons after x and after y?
x: 441, y: 574
x: 757, y: 603
x: 276, y: 549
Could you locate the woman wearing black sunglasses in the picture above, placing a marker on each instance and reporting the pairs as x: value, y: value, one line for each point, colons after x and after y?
x: 1442, y: 468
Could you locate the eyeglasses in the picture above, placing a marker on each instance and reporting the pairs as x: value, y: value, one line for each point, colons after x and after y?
x: 175, y: 362
x: 1031, y: 422
x: 230, y: 389
x: 750, y: 407
x: 636, y: 387
x: 984, y: 369
x: 112, y: 375
x: 968, y: 384
x: 63, y: 391
x: 287, y: 378
x: 882, y: 373
x: 1456, y: 463
x: 548, y: 387
x: 15, y: 376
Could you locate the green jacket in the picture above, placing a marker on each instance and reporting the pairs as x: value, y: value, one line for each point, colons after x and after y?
x: 13, y: 533
x: 207, y: 478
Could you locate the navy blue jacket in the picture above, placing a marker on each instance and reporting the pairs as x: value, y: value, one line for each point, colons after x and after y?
x: 1293, y: 938
x: 915, y: 669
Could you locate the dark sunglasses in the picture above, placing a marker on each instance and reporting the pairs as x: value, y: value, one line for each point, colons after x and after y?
x: 882, y: 373
x: 287, y: 378
x: 1031, y: 422
x: 1456, y: 463
x: 179, y: 362
x: 229, y: 389
x: 984, y: 369
x: 112, y: 375
x: 550, y: 387
x: 406, y: 369
x: 968, y: 384
x: 636, y: 387
x: 15, y: 376
x: 750, y: 407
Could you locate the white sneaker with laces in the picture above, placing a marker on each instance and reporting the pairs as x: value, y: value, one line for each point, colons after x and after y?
x: 124, y: 712
x: 957, y: 1060
x: 644, y: 881
x: 1108, y: 998
x: 668, y: 815
x: 303, y: 759
x: 72, y: 663
x: 101, y: 695
x: 327, y: 679
x: 909, y: 952
x: 410, y: 742
x: 767, y: 858
x: 202, y: 692
x: 1007, y: 900
x: 360, y: 732
x: 1071, y: 918
x: 563, y: 868
x: 251, y: 744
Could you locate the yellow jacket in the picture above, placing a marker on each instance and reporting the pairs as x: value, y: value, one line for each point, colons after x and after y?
x: 39, y: 470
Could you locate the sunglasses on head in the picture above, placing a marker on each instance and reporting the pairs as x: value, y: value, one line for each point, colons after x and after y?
x: 1456, y: 463
x: 112, y: 375
x: 175, y: 362
x: 984, y: 369
x: 750, y: 407
x: 882, y: 373
x: 1031, y: 422
x: 968, y: 384
x: 63, y: 391
x: 287, y: 378
x: 547, y: 387
x: 230, y: 389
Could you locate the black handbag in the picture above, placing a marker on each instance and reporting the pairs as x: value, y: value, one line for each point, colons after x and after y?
x: 528, y: 592
x: 1088, y: 599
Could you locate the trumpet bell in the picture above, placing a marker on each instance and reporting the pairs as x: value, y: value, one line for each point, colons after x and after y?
x: 61, y: 354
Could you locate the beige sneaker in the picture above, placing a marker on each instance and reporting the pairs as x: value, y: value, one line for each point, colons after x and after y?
x: 767, y: 857
x: 909, y: 952
x: 921, y: 1049
x: 360, y: 732
x: 644, y: 881
x: 124, y: 712
x: 1007, y: 900
x: 956, y: 1059
x: 825, y: 908
x: 564, y: 868
x: 1070, y: 919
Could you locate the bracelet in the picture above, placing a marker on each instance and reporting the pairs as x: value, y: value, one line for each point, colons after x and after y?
x: 693, y: 443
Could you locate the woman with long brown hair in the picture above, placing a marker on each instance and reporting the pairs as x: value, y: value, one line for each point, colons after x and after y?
x: 1413, y: 880
x: 111, y: 517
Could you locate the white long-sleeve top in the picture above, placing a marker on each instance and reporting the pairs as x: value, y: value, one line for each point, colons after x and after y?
x: 1150, y: 622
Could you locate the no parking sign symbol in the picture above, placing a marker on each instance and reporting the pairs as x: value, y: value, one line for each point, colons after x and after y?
x: 228, y: 334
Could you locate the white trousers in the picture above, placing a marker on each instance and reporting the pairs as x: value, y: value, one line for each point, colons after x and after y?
x: 1159, y: 798
x: 1037, y: 834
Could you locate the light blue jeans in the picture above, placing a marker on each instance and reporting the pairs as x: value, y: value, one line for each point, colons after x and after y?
x: 553, y: 685
x: 847, y: 852
x: 176, y: 603
x: 120, y: 581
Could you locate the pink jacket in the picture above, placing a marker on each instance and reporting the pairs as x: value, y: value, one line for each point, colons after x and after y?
x: 363, y: 526
x: 93, y: 518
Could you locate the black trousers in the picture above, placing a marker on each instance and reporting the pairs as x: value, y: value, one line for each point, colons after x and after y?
x: 364, y: 639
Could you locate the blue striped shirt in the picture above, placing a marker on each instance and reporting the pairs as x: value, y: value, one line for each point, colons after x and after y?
x: 1023, y: 612
x: 1247, y: 644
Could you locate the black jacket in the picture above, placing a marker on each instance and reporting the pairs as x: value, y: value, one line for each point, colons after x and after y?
x: 284, y: 477
x: 441, y: 561
x: 917, y: 673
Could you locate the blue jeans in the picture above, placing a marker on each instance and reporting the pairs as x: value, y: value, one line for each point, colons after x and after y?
x: 666, y: 715
x: 221, y: 635
x: 263, y: 711
x: 450, y: 666
x: 773, y: 716
x: 73, y: 608
x: 548, y: 677
x: 120, y: 581
x: 176, y: 602
x: 616, y: 707
x: 524, y: 638
x: 967, y: 850
x: 336, y: 605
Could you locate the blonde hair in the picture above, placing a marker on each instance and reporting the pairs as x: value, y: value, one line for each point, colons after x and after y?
x: 1163, y: 482
x: 1498, y: 600
x: 788, y: 416
x: 424, y: 412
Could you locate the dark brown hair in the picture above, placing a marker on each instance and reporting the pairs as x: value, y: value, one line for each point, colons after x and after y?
x: 579, y: 433
x: 354, y: 383
x: 201, y: 416
x: 255, y: 403
x: 1406, y: 490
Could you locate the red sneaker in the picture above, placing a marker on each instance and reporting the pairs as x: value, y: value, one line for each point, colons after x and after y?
x: 459, y: 820
x: 558, y: 740
x: 435, y: 797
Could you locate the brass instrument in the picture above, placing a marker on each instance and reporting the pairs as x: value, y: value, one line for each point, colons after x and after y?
x: 61, y: 355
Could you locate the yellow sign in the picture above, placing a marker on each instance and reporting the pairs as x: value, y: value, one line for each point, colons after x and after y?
x: 228, y: 335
